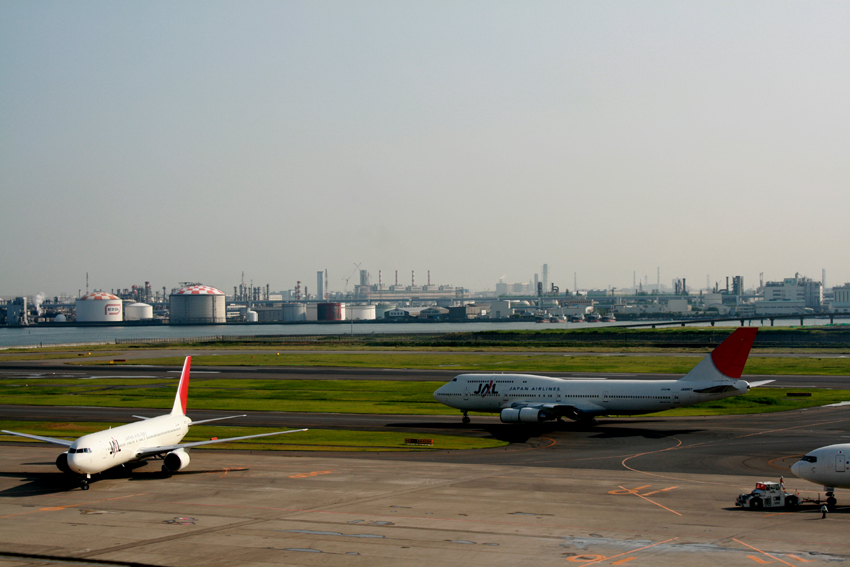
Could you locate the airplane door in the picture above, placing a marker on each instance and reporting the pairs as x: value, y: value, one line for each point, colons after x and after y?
x: 466, y: 393
x: 605, y: 396
x: 839, y: 463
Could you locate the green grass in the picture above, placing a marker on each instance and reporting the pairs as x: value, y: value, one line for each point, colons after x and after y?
x: 508, y: 362
x: 327, y: 396
x: 312, y: 440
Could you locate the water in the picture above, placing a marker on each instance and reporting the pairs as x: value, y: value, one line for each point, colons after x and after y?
x: 36, y: 336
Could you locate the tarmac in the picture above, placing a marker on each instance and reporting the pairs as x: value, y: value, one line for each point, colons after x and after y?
x: 628, y: 492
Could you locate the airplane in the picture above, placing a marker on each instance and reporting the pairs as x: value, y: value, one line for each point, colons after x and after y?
x: 829, y: 466
x: 526, y: 398
x: 157, y: 437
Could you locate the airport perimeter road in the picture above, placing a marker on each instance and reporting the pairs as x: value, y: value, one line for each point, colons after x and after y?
x: 45, y: 371
x: 277, y: 509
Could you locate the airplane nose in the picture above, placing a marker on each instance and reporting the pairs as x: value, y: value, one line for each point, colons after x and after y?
x: 795, y: 468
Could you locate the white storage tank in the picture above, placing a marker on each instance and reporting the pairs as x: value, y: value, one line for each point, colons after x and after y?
x: 197, y: 304
x: 312, y: 312
x: 381, y: 310
x: 294, y: 312
x: 99, y: 307
x: 360, y: 313
x: 138, y: 311
x: 252, y: 316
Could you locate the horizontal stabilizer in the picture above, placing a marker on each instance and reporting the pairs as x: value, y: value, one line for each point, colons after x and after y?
x: 760, y: 383
x: 216, y: 419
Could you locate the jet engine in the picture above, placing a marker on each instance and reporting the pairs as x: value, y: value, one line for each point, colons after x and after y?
x: 175, y: 461
x: 62, y: 463
x: 524, y: 415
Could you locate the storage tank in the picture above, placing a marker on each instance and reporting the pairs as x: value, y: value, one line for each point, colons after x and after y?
x: 360, y: 313
x: 294, y: 312
x: 197, y: 304
x: 312, y: 312
x: 99, y: 307
x: 381, y: 310
x: 138, y: 311
x: 61, y: 318
x: 328, y: 312
x: 252, y: 316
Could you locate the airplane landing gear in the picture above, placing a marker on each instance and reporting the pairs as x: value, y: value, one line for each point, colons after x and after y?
x: 465, y: 419
x: 84, y: 483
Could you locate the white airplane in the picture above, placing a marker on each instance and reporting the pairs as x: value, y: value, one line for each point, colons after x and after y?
x: 532, y: 399
x: 152, y: 437
x: 829, y: 466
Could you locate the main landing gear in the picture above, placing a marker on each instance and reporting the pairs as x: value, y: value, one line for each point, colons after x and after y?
x: 465, y: 419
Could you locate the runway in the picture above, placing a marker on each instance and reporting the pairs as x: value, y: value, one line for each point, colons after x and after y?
x: 44, y: 370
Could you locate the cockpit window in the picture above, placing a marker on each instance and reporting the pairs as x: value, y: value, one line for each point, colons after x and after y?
x: 810, y: 459
x: 72, y: 450
x: 454, y: 379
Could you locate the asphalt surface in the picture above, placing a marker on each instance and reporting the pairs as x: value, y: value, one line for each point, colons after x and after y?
x: 637, y: 491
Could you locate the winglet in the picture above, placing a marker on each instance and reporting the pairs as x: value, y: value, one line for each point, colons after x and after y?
x: 731, y: 355
x: 182, y: 396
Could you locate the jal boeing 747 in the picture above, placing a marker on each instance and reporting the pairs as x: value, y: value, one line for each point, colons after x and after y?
x: 532, y: 399
x: 828, y: 466
x: 152, y: 437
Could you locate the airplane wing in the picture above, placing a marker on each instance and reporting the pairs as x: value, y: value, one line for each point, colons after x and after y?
x: 152, y: 451
x: 760, y: 383
x: 53, y: 440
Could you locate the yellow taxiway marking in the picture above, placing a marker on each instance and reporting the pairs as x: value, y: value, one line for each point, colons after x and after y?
x: 591, y: 559
x: 636, y: 493
x: 57, y: 508
x: 759, y: 560
x: 307, y: 475
x: 800, y: 559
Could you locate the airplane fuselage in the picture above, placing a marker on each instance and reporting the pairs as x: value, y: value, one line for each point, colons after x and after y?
x: 829, y: 466
x: 495, y: 392
x: 97, y: 452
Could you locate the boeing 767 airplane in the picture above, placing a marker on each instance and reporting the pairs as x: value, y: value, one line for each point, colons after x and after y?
x: 532, y: 399
x: 151, y: 437
x: 828, y: 466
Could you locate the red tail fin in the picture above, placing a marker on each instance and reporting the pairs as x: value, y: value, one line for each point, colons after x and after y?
x: 182, y: 397
x: 731, y: 355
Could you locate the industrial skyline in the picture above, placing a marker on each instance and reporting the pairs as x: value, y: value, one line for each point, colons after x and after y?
x: 191, y: 141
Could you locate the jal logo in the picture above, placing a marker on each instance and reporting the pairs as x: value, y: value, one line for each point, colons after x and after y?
x: 113, y: 309
x: 484, y: 389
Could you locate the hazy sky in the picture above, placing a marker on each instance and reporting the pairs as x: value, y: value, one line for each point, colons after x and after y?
x: 178, y: 141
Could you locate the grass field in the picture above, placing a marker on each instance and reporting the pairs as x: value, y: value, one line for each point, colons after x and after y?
x: 336, y: 396
x: 312, y: 440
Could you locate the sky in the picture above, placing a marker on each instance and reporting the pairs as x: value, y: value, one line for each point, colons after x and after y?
x: 197, y: 140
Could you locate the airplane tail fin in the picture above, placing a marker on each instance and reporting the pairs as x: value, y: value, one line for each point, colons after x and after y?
x: 726, y: 362
x: 182, y: 389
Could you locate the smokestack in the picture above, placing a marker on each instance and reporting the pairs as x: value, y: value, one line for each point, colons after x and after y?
x: 396, y: 277
x: 412, y: 279
x: 429, y: 277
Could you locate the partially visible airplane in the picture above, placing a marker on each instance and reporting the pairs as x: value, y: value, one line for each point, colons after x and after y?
x: 157, y: 437
x: 829, y: 466
x: 532, y: 399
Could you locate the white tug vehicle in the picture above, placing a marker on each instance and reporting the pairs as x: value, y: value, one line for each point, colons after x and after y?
x: 767, y: 495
